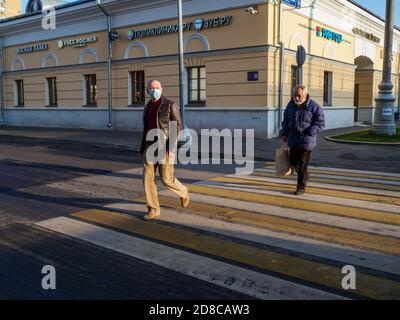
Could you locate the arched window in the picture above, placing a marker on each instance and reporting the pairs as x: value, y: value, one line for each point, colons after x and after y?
x: 33, y: 6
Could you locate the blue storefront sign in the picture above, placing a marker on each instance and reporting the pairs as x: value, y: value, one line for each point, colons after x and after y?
x: 292, y: 3
x: 329, y: 35
x: 198, y: 25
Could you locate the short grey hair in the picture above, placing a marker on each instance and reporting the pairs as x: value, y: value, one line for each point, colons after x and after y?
x: 302, y: 88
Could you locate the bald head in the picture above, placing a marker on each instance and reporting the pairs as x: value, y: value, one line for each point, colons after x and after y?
x: 154, y: 83
x: 154, y: 89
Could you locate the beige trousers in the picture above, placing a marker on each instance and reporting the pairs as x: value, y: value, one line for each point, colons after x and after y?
x: 166, y: 171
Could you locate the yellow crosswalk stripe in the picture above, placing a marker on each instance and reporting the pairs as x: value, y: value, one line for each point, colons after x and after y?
x: 354, y: 238
x: 314, y: 272
x: 348, y: 174
x: 313, y: 190
x: 335, y: 181
x: 327, y: 208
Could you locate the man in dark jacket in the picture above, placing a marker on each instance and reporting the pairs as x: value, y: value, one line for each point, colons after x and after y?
x: 303, y: 120
x: 158, y: 114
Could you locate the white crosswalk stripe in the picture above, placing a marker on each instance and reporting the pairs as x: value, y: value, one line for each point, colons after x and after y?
x: 337, y: 177
x: 331, y: 226
x: 246, y: 281
x: 311, y: 197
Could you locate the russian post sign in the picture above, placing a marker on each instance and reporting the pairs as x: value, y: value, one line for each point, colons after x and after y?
x: 292, y: 3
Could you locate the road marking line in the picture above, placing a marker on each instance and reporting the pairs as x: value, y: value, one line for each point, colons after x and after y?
x: 265, y: 184
x: 343, y: 178
x: 336, y: 182
x: 314, y: 272
x: 294, y: 243
x: 350, y: 237
x: 327, y: 186
x: 246, y: 281
x: 336, y: 210
x: 208, y: 203
x: 351, y: 173
x: 388, y: 174
x: 307, y: 196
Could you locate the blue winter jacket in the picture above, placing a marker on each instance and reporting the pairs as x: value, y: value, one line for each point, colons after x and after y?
x: 302, y: 125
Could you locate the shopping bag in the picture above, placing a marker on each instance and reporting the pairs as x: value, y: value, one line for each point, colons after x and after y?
x: 282, y: 161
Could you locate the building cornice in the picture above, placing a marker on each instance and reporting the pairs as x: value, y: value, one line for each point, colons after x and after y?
x: 344, y: 16
x: 125, y: 13
x: 341, y: 11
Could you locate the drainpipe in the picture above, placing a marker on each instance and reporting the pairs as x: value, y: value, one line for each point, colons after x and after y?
x: 281, y: 66
x: 2, y: 117
x: 397, y: 112
x: 181, y: 65
x: 109, y: 62
x: 398, y: 88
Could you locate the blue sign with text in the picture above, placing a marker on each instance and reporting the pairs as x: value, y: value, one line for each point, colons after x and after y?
x: 293, y: 3
x: 328, y: 34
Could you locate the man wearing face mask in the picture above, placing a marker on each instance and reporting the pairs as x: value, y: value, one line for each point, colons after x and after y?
x: 303, y: 120
x: 157, y: 115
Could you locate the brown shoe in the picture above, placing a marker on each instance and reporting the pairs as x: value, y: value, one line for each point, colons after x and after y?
x: 185, y: 201
x: 299, y: 192
x: 151, y: 215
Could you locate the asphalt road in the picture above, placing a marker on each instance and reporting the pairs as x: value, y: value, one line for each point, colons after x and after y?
x: 79, y: 209
x: 31, y: 175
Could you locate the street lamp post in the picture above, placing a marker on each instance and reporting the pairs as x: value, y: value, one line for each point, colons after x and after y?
x: 181, y: 65
x: 109, y: 62
x: 384, y: 110
x: 281, y: 67
x: 2, y: 118
x: 185, y: 137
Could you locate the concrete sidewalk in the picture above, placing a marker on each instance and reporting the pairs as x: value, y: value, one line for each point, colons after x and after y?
x: 123, y: 140
x: 328, y: 153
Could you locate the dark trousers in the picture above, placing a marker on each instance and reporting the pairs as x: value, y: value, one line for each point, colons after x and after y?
x: 300, y: 159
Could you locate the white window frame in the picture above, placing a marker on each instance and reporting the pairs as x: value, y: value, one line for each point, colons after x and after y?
x: 46, y: 87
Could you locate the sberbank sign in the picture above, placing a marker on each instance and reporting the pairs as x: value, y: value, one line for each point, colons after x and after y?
x: 198, y: 25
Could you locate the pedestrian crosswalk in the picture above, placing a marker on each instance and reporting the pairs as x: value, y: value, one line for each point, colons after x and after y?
x: 253, y: 235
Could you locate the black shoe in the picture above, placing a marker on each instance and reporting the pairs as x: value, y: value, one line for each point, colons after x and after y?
x: 299, y: 192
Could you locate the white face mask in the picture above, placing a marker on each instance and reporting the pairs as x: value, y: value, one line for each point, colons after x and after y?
x: 155, y: 94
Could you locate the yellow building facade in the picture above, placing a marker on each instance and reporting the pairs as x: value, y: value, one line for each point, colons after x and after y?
x: 10, y: 8
x: 58, y: 77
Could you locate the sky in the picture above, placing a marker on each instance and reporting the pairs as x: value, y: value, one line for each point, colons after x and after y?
x: 376, y: 6
x: 379, y: 6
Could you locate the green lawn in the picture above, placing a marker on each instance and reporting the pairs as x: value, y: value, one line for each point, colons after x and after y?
x: 368, y: 136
